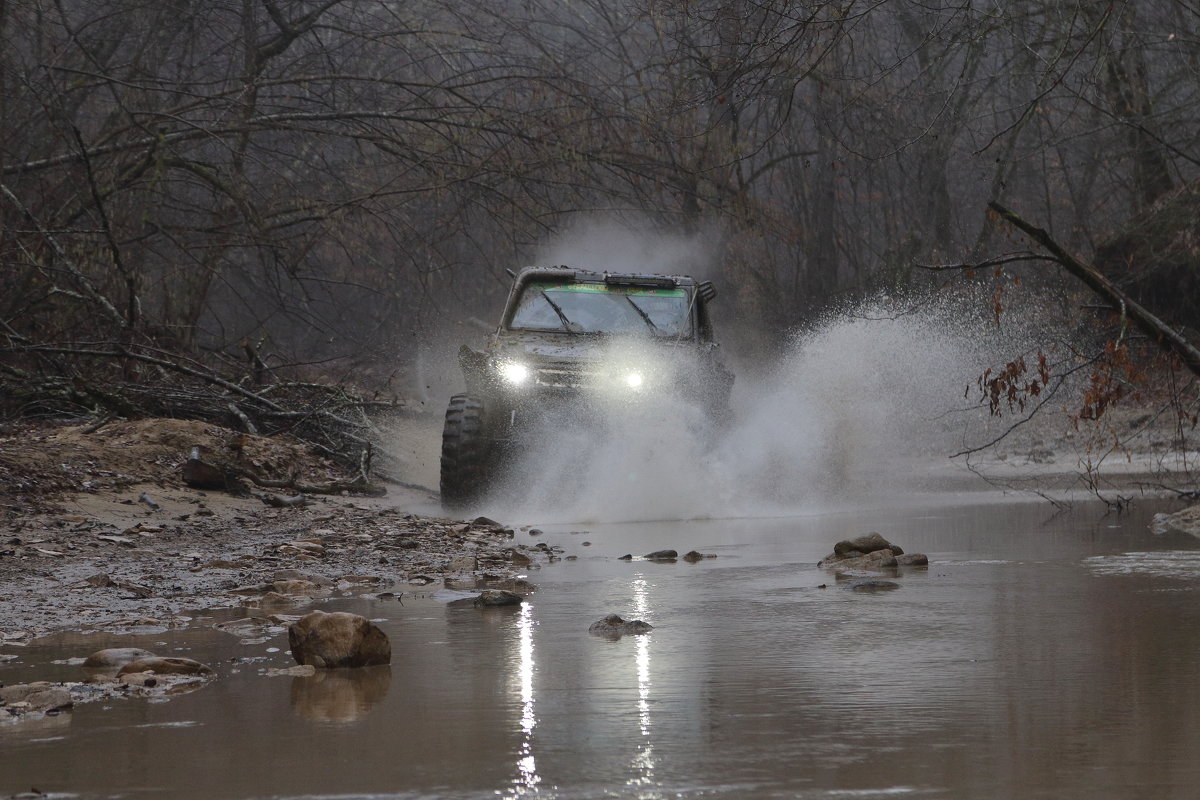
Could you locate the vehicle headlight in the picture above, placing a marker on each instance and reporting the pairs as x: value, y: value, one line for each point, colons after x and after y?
x: 634, y: 380
x: 514, y: 373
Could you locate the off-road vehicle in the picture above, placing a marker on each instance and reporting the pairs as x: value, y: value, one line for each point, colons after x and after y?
x: 574, y: 339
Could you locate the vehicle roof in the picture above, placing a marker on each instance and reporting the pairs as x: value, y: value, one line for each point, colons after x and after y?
x: 578, y: 274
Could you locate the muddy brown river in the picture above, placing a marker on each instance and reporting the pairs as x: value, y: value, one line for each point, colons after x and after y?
x: 1040, y: 656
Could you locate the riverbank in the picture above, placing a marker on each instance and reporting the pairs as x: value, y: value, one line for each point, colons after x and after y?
x: 99, y: 531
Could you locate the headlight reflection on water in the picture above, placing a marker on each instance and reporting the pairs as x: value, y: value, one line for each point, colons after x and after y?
x: 527, y: 780
x: 643, y: 761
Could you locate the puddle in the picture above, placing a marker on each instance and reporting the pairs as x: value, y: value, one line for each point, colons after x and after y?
x: 1035, y: 658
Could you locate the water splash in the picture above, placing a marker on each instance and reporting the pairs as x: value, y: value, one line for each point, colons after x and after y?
x: 867, y: 405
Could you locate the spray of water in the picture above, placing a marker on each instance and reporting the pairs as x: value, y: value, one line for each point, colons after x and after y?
x: 865, y: 406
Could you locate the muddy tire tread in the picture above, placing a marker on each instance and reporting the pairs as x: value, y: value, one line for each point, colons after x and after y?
x: 464, y: 451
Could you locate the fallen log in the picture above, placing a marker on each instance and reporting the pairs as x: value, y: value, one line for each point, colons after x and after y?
x: 1167, y: 337
x: 201, y: 474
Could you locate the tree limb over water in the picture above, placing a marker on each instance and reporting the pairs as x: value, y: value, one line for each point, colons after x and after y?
x: 1166, y: 336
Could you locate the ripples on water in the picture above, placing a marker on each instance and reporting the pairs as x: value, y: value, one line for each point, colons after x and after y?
x: 1170, y: 564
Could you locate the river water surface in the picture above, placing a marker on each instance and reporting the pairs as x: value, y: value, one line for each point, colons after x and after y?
x: 1039, y: 656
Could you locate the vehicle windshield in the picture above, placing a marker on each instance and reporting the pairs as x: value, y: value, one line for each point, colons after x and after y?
x: 601, y: 308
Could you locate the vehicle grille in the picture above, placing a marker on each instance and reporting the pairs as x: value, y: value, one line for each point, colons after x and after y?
x: 566, y: 378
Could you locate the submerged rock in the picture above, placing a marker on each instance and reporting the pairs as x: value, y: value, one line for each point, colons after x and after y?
x: 39, y: 697
x: 614, y: 626
x: 913, y: 560
x: 166, y: 666
x: 695, y: 555
x: 338, y: 639
x: 872, y: 586
x: 115, y: 657
x: 661, y: 555
x: 489, y: 597
x: 300, y: 671
x: 1185, y: 521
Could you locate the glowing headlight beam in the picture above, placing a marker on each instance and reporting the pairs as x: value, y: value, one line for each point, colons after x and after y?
x: 634, y: 380
x: 514, y: 373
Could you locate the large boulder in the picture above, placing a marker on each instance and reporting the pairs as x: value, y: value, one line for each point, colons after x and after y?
x: 870, y: 553
x: 862, y: 545
x: 339, y: 639
x: 874, y: 561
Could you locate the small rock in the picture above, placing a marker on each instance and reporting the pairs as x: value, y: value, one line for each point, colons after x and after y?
x: 913, y: 560
x: 338, y: 639
x: 694, y: 555
x: 499, y: 597
x: 626, y: 557
x: 661, y: 555
x: 257, y: 628
x: 615, y: 627
x: 535, y: 531
x: 115, y: 657
x: 485, y: 522
x: 300, y: 670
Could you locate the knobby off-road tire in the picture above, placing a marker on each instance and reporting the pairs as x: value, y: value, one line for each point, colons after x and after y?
x: 464, y: 452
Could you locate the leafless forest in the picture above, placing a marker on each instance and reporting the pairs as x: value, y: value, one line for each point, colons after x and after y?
x: 207, y: 205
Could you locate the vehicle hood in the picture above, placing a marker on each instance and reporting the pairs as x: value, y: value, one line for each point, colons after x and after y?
x: 577, y: 348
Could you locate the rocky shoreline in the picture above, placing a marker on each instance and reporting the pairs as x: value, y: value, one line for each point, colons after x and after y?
x: 97, y: 571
